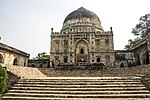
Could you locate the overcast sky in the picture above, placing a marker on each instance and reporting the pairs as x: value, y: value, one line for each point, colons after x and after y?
x: 26, y: 24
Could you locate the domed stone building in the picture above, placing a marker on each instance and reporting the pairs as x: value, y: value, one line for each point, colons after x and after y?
x: 82, y: 39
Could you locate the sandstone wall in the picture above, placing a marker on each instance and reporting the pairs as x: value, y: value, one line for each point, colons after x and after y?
x: 12, y: 56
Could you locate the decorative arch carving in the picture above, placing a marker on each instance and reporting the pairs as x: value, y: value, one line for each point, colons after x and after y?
x: 80, y: 40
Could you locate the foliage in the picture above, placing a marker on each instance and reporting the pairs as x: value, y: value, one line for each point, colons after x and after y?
x: 142, y: 29
x: 42, y: 56
x: 142, y: 26
x: 131, y: 43
x: 3, y: 78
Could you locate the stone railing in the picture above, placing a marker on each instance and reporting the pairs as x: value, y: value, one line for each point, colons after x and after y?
x: 25, y: 72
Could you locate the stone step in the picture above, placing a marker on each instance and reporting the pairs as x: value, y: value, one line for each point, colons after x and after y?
x: 79, y: 85
x: 78, y: 82
x: 80, y: 95
x: 91, y: 78
x: 77, y: 88
x: 80, y: 89
x: 80, y: 92
x: 82, y: 78
x: 46, y: 98
x: 86, y: 79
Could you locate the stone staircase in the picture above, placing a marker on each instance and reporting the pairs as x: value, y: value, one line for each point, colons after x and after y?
x: 79, y: 88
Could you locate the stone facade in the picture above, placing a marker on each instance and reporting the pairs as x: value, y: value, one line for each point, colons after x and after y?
x: 123, y: 58
x: 82, y: 39
x: 39, y: 63
x: 12, y: 56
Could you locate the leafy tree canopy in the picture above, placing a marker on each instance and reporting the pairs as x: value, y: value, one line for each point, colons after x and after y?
x: 42, y: 56
x: 131, y: 43
x: 142, y: 29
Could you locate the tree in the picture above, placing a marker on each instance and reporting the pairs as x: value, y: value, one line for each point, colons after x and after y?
x: 142, y: 29
x: 42, y: 56
x: 131, y: 43
x: 142, y: 26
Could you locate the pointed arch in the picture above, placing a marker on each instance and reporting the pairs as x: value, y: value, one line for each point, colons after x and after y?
x: 15, y: 62
x: 83, y: 41
x: 81, y: 51
x: 137, y: 59
x: 65, y: 45
x: 107, y: 59
x: 65, y: 60
x: 145, y: 58
x: 1, y: 59
x: 98, y: 59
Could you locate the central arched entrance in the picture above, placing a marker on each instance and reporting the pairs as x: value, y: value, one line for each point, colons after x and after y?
x: 81, y: 51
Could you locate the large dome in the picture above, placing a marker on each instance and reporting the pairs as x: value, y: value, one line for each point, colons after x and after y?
x: 81, y: 13
x: 81, y: 17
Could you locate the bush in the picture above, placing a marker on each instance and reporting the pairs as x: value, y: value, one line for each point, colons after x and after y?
x: 3, y: 78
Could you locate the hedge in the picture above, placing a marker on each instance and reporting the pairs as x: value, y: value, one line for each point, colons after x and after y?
x: 3, y: 78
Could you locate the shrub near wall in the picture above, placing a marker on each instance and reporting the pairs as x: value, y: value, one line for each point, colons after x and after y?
x: 3, y: 78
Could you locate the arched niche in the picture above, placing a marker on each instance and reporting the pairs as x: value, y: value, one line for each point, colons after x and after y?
x: 1, y: 58
x: 15, y: 62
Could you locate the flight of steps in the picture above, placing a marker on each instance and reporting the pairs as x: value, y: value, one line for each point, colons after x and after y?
x: 79, y: 88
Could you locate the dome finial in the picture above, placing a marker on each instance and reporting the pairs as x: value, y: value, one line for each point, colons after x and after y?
x: 81, y: 8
